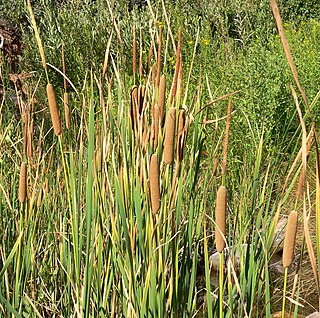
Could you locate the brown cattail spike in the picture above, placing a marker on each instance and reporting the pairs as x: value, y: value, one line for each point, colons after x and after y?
x: 220, y: 228
x: 162, y: 97
x: 55, y: 117
x: 154, y: 184
x: 23, y: 183
x: 290, y: 239
x: 169, y: 136
x: 66, y: 110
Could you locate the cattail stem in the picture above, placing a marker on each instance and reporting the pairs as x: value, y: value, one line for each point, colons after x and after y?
x: 23, y: 182
x: 67, y: 110
x: 283, y: 311
x: 55, y: 117
x: 177, y: 68
x: 162, y: 97
x: 221, y: 261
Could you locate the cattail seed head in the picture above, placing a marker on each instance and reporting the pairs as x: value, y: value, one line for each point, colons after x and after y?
x: 162, y: 96
x: 290, y: 239
x: 220, y: 228
x: 23, y: 183
x: 66, y: 110
x: 154, y: 184
x: 55, y: 117
x: 169, y: 135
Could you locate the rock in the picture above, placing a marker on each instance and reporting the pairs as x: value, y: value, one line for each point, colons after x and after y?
x: 279, y: 234
x: 314, y: 315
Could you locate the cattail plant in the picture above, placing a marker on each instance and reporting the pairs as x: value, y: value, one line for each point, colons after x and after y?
x: 288, y: 250
x: 23, y: 182
x: 162, y: 97
x: 220, y: 232
x: 55, y: 117
x: 154, y: 184
x: 169, y: 135
x: 220, y: 228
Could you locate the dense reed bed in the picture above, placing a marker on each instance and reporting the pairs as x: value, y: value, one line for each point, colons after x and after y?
x: 119, y: 191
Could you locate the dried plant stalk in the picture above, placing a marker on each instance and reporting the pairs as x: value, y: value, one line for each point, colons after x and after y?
x: 290, y: 239
x: 154, y: 184
x: 162, y: 97
x: 23, y: 182
x: 55, y: 117
x: 67, y: 110
x: 169, y: 135
x: 220, y: 228
x: 177, y: 69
